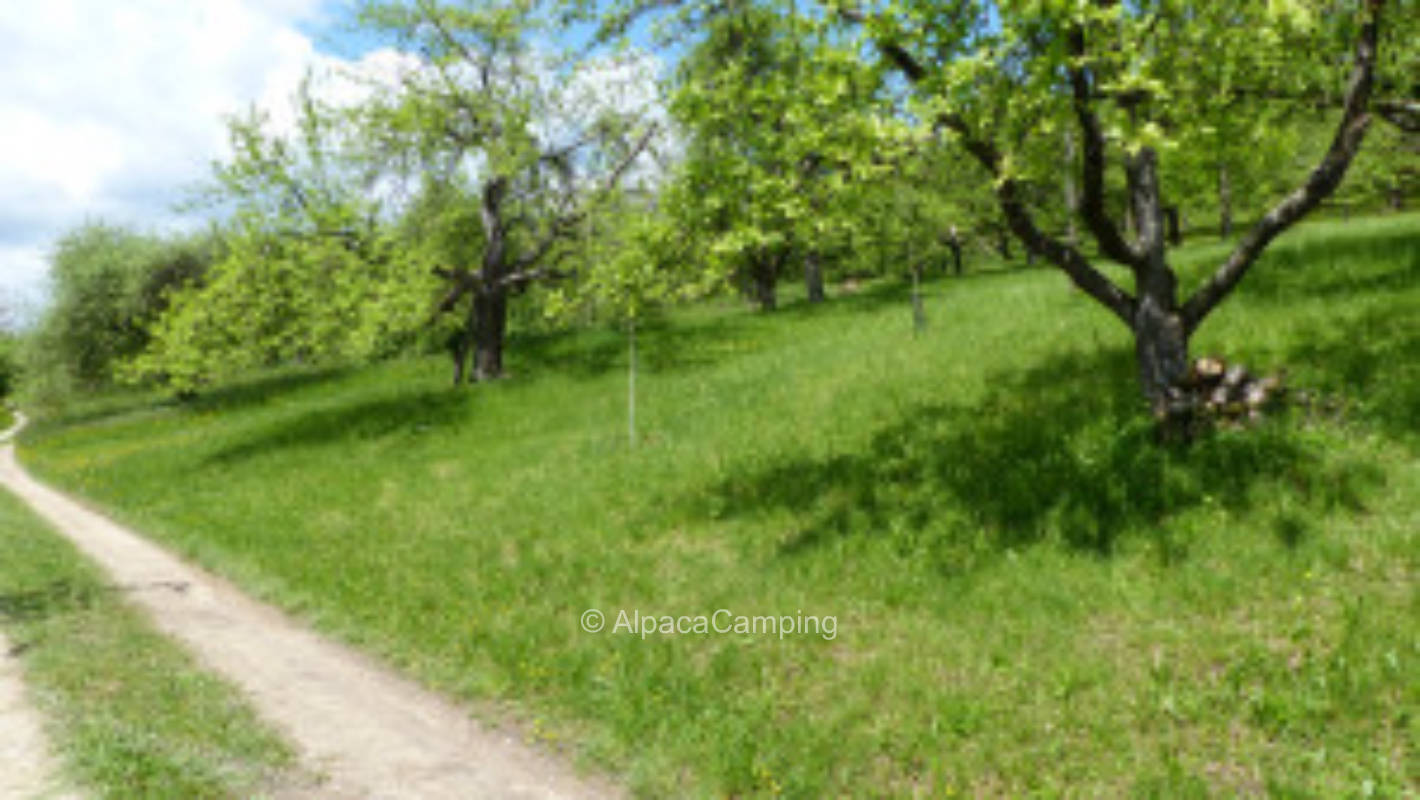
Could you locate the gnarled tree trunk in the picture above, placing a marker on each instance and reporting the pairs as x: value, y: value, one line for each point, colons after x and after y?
x: 813, y: 275
x: 764, y: 279
x: 1160, y: 335
x: 490, y: 329
x: 460, y: 346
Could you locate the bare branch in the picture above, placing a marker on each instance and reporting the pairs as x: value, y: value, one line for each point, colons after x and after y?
x: 526, y: 276
x: 636, y: 149
x: 559, y: 226
x: 1350, y: 132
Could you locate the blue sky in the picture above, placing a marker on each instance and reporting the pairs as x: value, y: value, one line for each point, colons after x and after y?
x: 111, y: 109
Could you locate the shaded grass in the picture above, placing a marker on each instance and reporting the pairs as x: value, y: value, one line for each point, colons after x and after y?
x: 1030, y: 596
x: 131, y: 714
x: 1060, y: 450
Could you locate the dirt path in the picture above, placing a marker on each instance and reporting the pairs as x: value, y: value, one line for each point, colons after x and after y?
x: 27, y: 765
x: 27, y: 768
x: 371, y: 733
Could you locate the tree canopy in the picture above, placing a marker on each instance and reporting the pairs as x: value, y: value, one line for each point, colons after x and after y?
x: 507, y: 152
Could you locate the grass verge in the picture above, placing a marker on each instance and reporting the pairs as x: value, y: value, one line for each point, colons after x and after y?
x: 129, y: 712
x: 1029, y: 595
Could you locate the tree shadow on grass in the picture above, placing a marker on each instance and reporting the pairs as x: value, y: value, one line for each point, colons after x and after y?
x: 408, y: 415
x: 1061, y: 451
x: 239, y: 393
x: 1380, y: 260
x: 57, y: 597
x: 262, y: 388
x: 1372, y: 360
x: 662, y: 346
x: 881, y: 292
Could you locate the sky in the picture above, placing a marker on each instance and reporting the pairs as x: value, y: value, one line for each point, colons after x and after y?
x: 113, y: 109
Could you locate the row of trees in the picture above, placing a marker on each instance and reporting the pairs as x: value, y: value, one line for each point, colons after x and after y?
x: 786, y: 138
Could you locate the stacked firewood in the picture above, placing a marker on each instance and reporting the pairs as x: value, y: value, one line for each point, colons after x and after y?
x: 1228, y: 392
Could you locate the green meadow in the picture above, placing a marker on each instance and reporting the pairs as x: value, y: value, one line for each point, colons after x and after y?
x: 1031, y: 596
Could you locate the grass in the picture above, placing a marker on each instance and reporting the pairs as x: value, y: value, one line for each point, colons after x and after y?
x: 131, y: 714
x: 1030, y: 597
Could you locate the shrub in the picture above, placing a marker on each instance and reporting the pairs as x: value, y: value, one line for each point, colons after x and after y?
x: 108, y: 285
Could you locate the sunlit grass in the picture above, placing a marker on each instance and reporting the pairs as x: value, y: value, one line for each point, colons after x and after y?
x: 1031, y: 596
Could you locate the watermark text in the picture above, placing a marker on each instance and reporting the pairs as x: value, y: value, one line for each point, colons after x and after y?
x: 722, y: 622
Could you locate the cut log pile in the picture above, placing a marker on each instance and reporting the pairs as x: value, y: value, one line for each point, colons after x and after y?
x: 1228, y: 393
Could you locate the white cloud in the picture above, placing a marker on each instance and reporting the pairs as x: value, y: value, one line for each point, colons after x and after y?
x: 112, y: 109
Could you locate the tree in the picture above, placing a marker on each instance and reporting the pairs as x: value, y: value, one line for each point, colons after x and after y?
x: 999, y: 78
x: 9, y: 363
x: 108, y: 285
x: 528, y: 139
x: 308, y: 271
x: 779, y: 129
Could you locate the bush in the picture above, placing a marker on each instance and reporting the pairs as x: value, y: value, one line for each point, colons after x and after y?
x: 9, y: 365
x: 109, y: 284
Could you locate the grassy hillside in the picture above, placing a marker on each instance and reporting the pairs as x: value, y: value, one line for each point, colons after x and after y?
x: 131, y: 713
x: 1029, y: 595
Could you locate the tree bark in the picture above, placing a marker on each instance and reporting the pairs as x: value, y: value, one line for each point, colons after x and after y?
x: 764, y: 279
x: 1160, y: 336
x: 461, y: 345
x: 490, y: 328
x: 813, y: 275
x: 490, y: 299
x: 1131, y: 195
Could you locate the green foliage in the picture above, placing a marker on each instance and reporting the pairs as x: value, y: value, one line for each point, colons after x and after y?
x: 780, y: 124
x: 271, y: 301
x: 1386, y: 174
x: 98, y: 273
x: 9, y: 364
x: 1032, y: 598
x: 108, y: 284
x: 476, y: 165
x: 307, y: 275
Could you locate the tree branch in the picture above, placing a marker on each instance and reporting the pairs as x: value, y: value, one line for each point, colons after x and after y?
x: 1403, y: 114
x: 1022, y: 224
x: 1106, y: 233
x: 464, y: 281
x: 524, y: 277
x: 1350, y: 132
x: 1018, y: 217
x: 558, y: 227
